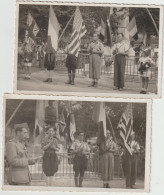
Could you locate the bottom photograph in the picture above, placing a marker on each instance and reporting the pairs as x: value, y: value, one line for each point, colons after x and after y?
x: 78, y: 143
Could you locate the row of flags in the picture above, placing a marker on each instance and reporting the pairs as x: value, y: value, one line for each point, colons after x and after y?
x: 78, y: 31
x: 67, y: 123
x: 125, y: 125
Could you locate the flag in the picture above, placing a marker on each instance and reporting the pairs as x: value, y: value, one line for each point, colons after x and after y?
x: 53, y: 32
x: 102, y: 31
x: 79, y: 31
x: 132, y: 28
x: 31, y: 31
x: 125, y: 127
x: 62, y: 123
x: 40, y: 115
x: 99, y: 117
x: 108, y: 34
x: 144, y: 38
x: 72, y: 127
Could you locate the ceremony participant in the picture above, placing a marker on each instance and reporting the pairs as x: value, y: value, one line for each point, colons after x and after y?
x: 106, y: 151
x: 80, y: 161
x: 28, y: 57
x: 71, y: 64
x: 95, y: 50
x: 50, y: 159
x: 50, y: 114
x: 145, y: 64
x: 16, y: 154
x: 114, y: 22
x: 129, y: 163
x: 49, y: 64
x: 41, y: 56
x: 120, y: 50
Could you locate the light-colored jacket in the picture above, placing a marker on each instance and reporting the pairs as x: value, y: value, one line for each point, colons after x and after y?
x: 16, y: 154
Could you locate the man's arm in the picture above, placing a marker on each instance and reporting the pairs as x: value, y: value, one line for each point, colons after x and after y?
x: 13, y: 158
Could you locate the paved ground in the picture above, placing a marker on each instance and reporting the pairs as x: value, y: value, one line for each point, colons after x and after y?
x: 81, y: 83
x: 88, y: 183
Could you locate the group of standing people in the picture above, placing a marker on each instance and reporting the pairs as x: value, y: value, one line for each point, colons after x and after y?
x: 19, y: 160
x: 95, y: 49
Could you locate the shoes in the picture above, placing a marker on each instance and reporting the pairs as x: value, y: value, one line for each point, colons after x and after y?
x: 96, y: 84
x: 92, y: 84
x: 106, y: 185
x: 49, y: 80
x: 120, y: 89
x: 46, y: 80
x: 115, y: 88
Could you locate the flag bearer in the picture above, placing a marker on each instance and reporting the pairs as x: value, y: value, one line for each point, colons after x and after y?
x: 71, y: 64
x: 129, y: 163
x: 106, y: 150
x: 80, y: 161
x: 95, y: 50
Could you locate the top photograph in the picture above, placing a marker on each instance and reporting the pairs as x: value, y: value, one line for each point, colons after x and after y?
x: 85, y: 49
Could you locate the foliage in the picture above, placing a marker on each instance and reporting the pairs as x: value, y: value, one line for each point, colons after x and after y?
x: 83, y: 112
x: 91, y: 16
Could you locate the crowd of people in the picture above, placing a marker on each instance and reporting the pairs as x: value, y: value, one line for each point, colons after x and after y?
x: 120, y: 54
x: 79, y: 150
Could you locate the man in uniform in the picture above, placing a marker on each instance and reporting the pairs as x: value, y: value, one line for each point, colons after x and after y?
x: 95, y: 50
x: 16, y: 154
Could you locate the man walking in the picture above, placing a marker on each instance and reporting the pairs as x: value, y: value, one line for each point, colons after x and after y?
x: 16, y: 154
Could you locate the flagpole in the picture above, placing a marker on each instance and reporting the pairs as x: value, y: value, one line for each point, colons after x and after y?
x: 65, y: 28
x: 111, y: 127
x: 13, y: 114
x: 153, y: 21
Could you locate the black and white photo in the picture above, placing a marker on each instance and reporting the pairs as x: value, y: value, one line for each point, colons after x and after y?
x: 67, y: 143
x: 86, y: 49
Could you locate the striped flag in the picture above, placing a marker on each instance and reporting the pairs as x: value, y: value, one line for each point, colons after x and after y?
x: 79, y: 31
x: 132, y: 28
x: 102, y: 31
x: 31, y: 31
x: 126, y: 127
x: 53, y: 32
x: 99, y: 117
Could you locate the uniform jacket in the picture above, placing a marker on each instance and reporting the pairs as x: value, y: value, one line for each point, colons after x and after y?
x: 16, y: 154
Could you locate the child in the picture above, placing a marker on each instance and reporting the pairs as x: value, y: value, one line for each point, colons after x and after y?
x: 28, y: 57
x: 144, y: 69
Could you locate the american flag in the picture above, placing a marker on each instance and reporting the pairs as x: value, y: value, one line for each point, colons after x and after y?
x: 125, y: 126
x: 79, y: 31
x: 31, y: 31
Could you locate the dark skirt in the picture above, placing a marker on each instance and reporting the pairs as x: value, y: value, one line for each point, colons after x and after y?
x: 50, y: 163
x: 80, y: 163
x: 49, y: 62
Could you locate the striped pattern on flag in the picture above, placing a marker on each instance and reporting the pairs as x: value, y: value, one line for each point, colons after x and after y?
x: 126, y: 127
x: 132, y: 27
x: 79, y: 31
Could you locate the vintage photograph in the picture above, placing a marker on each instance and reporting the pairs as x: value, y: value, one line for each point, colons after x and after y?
x: 88, y: 49
x: 76, y: 144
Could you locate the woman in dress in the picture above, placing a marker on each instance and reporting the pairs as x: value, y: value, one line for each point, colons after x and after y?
x: 50, y: 159
x: 80, y: 161
x: 106, y: 150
